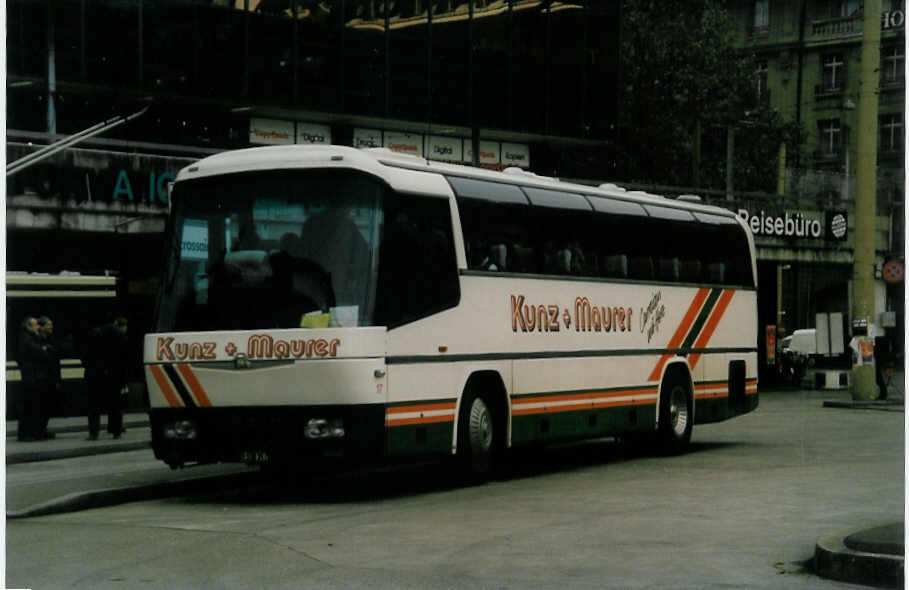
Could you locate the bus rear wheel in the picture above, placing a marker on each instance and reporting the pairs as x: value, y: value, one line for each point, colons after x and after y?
x: 676, y: 416
x: 477, y: 438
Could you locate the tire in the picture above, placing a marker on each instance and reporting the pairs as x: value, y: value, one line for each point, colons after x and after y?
x: 676, y: 416
x: 477, y: 438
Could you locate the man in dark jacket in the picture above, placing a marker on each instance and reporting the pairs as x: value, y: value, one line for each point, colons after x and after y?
x: 30, y: 353
x: 48, y: 375
x: 105, y: 363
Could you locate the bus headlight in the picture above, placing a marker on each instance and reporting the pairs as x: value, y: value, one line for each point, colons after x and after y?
x: 318, y: 428
x: 180, y: 430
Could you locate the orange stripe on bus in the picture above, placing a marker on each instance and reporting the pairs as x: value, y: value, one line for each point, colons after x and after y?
x: 194, y: 384
x: 420, y: 420
x: 681, y: 331
x: 716, y: 394
x: 576, y: 407
x: 583, y: 396
x: 712, y: 322
x: 164, y: 384
x: 422, y: 408
x: 722, y: 384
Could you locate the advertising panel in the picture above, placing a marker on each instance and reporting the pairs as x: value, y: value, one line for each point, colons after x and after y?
x: 271, y: 132
x: 446, y: 149
x: 516, y: 154
x: 406, y: 143
x: 367, y: 138
x: 313, y: 133
x: 490, y: 152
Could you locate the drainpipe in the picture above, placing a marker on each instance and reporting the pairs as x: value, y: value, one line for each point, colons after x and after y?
x: 803, y: 16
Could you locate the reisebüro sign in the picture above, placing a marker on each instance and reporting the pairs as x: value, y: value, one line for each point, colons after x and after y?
x: 811, y: 225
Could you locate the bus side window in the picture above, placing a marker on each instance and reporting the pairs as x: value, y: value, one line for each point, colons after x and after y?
x: 669, y: 269
x: 499, y: 234
x: 616, y: 266
x: 641, y: 267
x: 523, y: 259
x: 496, y: 259
x: 716, y: 272
x: 417, y: 269
x: 690, y: 271
x: 477, y: 253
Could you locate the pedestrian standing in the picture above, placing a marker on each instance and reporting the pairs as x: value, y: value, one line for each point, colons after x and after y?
x: 881, y: 365
x: 49, y: 379
x: 105, y: 361
x: 30, y: 352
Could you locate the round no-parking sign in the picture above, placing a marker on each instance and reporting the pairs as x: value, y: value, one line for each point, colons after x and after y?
x: 893, y: 271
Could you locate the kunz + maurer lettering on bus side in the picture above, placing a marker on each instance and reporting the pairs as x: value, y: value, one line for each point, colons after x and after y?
x: 585, y: 316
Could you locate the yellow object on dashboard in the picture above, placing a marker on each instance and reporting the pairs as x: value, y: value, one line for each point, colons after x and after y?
x: 315, y: 320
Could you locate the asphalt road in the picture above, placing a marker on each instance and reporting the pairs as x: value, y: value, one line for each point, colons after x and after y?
x: 744, y: 508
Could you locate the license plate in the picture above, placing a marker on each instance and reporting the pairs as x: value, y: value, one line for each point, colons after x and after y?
x: 254, y: 457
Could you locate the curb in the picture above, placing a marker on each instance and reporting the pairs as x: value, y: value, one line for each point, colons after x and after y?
x: 835, y: 561
x: 885, y: 406
x: 13, y: 432
x: 112, y: 496
x: 82, y: 451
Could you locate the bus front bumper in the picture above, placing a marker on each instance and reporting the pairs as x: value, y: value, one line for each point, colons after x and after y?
x: 259, y: 435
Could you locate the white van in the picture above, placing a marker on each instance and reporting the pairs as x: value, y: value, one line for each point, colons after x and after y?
x: 797, y: 352
x: 801, y: 342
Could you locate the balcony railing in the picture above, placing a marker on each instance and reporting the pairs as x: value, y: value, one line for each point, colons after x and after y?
x: 837, y: 27
x: 827, y: 91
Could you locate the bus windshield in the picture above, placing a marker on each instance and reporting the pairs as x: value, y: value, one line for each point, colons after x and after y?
x: 273, y: 249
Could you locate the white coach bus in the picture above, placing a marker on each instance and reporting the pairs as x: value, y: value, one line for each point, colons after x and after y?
x: 328, y: 301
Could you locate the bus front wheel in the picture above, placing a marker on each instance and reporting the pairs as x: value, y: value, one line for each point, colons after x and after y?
x: 676, y: 416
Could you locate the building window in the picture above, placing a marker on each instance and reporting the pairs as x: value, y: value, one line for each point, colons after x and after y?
x: 760, y: 74
x: 893, y: 64
x: 892, y: 132
x: 831, y: 137
x: 845, y: 8
x: 761, y: 22
x: 833, y: 72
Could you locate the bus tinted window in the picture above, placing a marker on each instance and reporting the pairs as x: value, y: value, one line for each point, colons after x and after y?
x: 499, y: 236
x: 418, y: 273
x: 265, y: 250
x: 566, y: 234
x: 556, y: 199
x: 488, y: 191
x: 714, y: 219
x: 616, y: 206
x: 668, y: 213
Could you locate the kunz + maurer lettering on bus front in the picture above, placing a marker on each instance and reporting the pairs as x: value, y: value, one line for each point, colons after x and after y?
x: 258, y: 346
x: 586, y: 317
